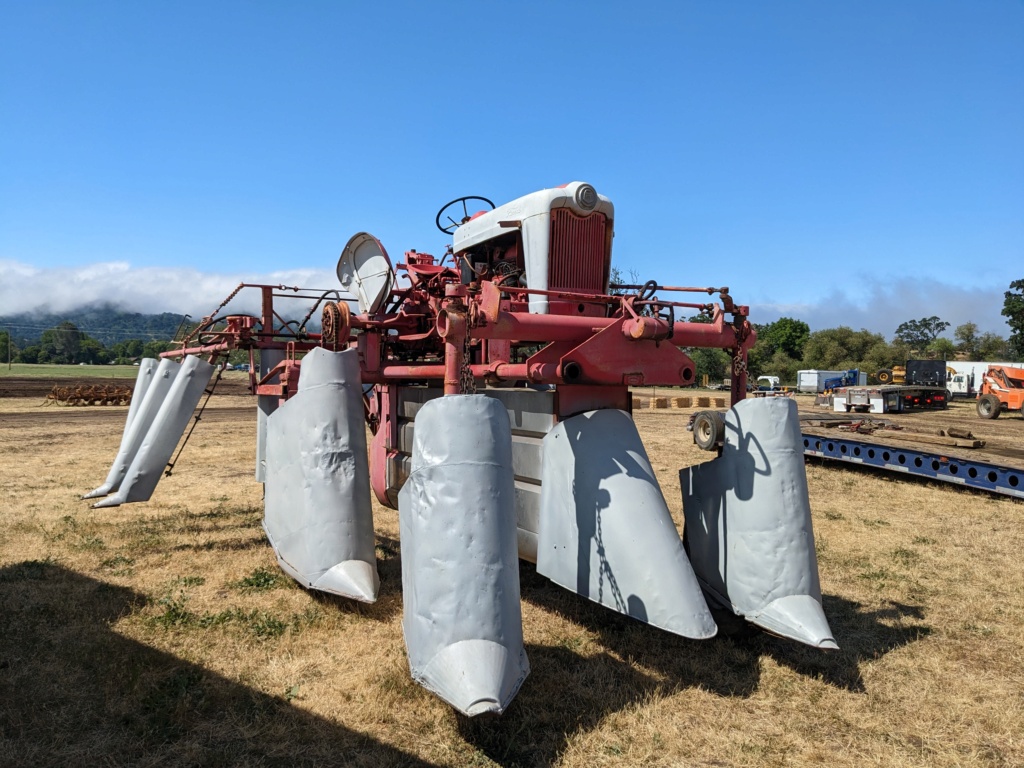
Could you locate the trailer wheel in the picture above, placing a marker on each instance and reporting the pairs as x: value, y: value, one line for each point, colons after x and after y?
x: 989, y: 407
x: 708, y: 430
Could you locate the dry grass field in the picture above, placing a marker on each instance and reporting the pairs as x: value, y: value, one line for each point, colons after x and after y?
x: 163, y: 633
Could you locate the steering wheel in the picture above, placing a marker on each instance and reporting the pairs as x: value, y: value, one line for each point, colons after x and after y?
x: 450, y: 228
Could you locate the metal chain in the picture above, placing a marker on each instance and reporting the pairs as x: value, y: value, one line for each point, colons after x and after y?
x: 466, y: 381
x: 605, y: 569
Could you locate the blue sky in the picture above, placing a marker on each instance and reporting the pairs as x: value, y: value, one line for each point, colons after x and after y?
x: 840, y: 162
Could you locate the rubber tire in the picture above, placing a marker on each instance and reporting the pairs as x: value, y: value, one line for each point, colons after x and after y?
x: 708, y: 430
x: 884, y: 376
x: 989, y: 407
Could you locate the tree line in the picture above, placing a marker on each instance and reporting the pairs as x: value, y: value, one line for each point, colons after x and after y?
x: 66, y: 344
x: 788, y: 345
x: 783, y: 347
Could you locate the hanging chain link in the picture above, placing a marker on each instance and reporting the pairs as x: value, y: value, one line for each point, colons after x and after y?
x: 466, y: 381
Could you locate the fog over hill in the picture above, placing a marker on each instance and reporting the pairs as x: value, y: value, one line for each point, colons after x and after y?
x: 859, y: 302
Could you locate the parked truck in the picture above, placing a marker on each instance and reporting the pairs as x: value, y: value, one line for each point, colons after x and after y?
x: 966, y: 377
x: 814, y: 380
x: 921, y: 384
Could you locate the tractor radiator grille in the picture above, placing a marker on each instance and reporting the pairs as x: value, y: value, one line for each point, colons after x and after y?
x: 577, y: 252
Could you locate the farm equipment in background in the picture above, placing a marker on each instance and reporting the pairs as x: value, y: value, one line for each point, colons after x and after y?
x: 496, y: 391
x: 848, y: 379
x: 1002, y: 388
x: 94, y: 394
x: 920, y: 373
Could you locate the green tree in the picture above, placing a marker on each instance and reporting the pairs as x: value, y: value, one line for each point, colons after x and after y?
x: 61, y: 344
x: 918, y: 334
x: 942, y: 349
x: 713, y: 363
x: 29, y: 355
x: 967, y: 336
x: 154, y: 348
x: 7, y: 348
x: 785, y: 335
x: 1013, y: 311
x: 993, y: 347
x: 840, y: 348
x: 126, y: 351
x: 92, y: 352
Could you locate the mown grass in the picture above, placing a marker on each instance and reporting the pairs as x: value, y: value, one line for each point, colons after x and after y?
x: 69, y: 371
x: 164, y: 634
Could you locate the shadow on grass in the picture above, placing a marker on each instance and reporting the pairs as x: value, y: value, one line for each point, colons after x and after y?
x: 728, y: 665
x: 862, y: 636
x: 74, y: 692
x: 534, y: 731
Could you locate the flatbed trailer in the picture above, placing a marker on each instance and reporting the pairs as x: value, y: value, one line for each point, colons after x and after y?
x: 982, y: 475
x: 889, y: 398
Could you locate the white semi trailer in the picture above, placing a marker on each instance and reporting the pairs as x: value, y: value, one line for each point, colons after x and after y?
x: 966, y: 382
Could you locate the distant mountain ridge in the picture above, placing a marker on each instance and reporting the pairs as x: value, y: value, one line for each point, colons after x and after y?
x: 104, y: 322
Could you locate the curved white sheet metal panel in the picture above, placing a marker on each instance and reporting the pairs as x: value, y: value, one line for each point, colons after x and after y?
x: 460, y: 574
x: 317, y: 511
x: 151, y: 387
x: 162, y: 437
x: 748, y: 523
x: 605, y: 530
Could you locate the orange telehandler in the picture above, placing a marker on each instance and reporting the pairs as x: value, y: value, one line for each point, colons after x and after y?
x: 1002, y: 388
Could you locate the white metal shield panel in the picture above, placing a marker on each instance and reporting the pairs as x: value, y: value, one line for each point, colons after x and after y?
x: 151, y: 386
x: 460, y: 575
x: 317, y: 511
x: 265, y: 405
x: 605, y: 530
x: 748, y: 523
x: 162, y: 437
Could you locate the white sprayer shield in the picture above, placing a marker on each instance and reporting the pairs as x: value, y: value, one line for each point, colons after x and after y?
x: 460, y: 574
x: 317, y: 511
x: 748, y: 523
x: 161, y: 434
x: 605, y: 530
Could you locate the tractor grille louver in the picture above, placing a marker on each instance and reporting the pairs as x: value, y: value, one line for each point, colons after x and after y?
x: 576, y: 256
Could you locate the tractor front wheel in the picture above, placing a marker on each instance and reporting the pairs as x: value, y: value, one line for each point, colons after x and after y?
x: 989, y: 407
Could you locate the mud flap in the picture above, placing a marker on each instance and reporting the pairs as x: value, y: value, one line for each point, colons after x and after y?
x: 605, y: 530
x: 748, y: 524
x: 317, y: 511
x: 159, y: 440
x: 460, y: 574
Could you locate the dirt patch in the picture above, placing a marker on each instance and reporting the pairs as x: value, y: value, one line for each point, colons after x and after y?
x: 40, y: 386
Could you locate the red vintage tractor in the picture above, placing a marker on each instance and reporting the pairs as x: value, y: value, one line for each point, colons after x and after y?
x: 495, y: 383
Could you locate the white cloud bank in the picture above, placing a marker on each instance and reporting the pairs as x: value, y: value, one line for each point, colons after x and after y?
x: 25, y: 288
x: 881, y: 308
